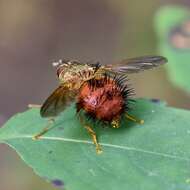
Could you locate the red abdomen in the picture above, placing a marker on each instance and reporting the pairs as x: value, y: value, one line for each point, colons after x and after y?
x: 102, y: 98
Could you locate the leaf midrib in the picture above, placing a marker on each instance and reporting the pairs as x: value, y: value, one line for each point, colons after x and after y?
x: 102, y: 144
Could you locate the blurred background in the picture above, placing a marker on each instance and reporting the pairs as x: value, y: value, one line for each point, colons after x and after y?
x: 35, y: 33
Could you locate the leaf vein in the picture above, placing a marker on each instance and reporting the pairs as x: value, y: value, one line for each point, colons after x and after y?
x: 109, y: 145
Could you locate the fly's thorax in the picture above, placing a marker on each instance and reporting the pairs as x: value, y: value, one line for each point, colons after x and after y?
x: 75, y: 74
x: 73, y: 85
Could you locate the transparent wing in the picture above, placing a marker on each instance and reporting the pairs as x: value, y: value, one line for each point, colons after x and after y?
x: 135, y: 65
x: 57, y: 102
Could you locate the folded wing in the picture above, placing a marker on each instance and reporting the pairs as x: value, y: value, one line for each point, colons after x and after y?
x: 57, y: 102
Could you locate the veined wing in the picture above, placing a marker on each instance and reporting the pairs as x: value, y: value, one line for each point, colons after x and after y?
x: 57, y: 102
x: 135, y: 65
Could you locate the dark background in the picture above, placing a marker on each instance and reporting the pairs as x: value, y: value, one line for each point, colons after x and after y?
x: 35, y: 33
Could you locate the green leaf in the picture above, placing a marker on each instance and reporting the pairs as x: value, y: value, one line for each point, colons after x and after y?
x: 153, y: 156
x: 178, y: 66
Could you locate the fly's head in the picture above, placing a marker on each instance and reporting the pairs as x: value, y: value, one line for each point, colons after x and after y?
x: 74, y: 73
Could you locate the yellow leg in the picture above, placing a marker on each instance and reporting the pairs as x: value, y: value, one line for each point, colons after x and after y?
x: 92, y: 134
x: 94, y: 138
x: 139, y: 121
x: 45, y: 130
x: 34, y: 106
x: 115, y: 123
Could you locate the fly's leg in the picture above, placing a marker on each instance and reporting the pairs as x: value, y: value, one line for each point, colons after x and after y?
x: 92, y: 134
x: 139, y: 121
x: 115, y: 123
x: 45, y: 130
x: 34, y: 106
x: 94, y: 138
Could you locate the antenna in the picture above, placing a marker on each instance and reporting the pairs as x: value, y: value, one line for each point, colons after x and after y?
x: 56, y: 64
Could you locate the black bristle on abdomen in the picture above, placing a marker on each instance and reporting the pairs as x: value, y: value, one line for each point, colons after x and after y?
x: 110, y: 87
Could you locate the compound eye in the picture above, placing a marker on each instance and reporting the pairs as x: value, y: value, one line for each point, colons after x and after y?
x: 59, y: 71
